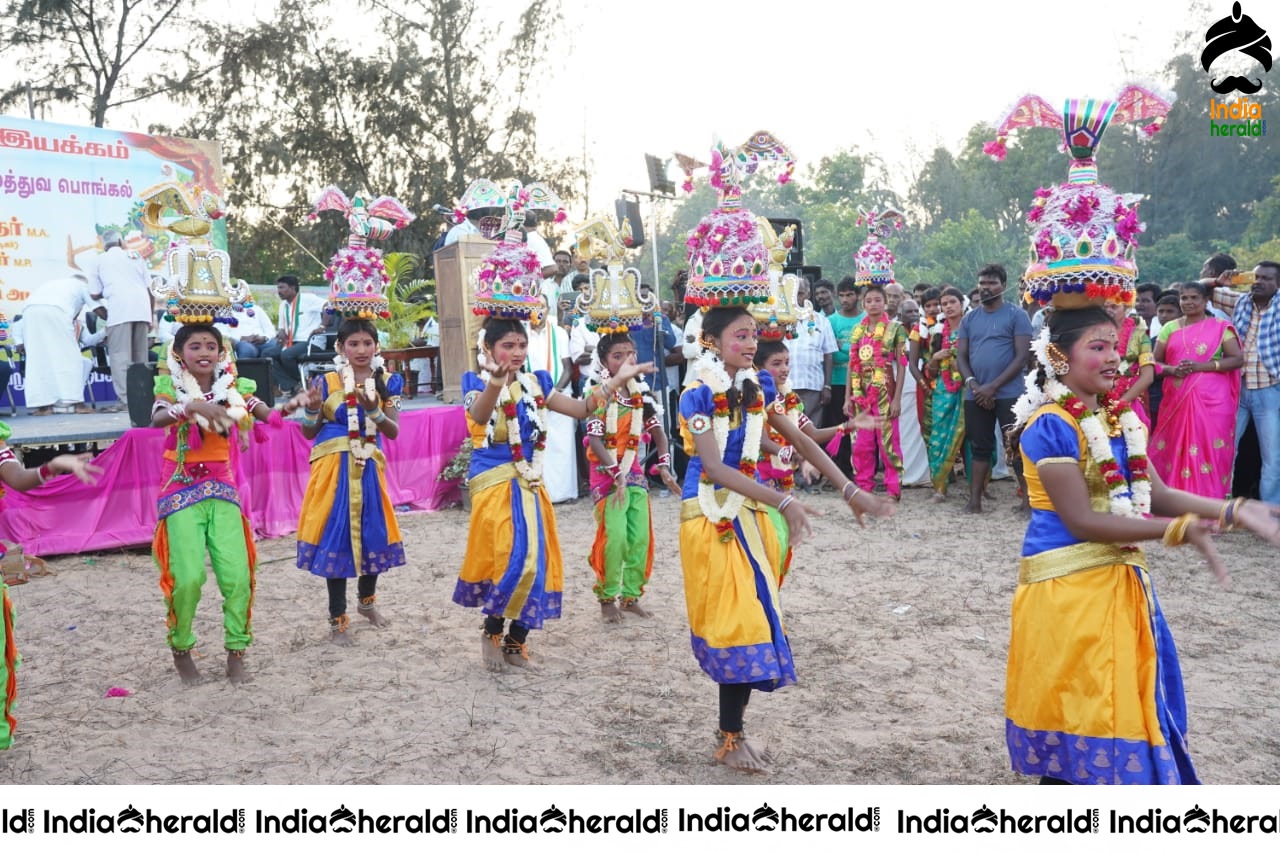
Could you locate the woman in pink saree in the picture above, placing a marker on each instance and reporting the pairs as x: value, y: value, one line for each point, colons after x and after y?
x: 1194, y: 443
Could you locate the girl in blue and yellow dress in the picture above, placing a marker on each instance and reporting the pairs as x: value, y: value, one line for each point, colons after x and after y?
x: 512, y: 569
x: 14, y: 476
x: 346, y: 509
x: 730, y: 550
x: 1094, y: 691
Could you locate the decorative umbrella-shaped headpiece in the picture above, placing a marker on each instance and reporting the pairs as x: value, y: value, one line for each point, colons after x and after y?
x: 357, y: 275
x: 1084, y: 234
x: 728, y: 261
x: 873, y: 262
x: 777, y: 316
x: 612, y: 303
x: 197, y: 285
x: 508, y: 283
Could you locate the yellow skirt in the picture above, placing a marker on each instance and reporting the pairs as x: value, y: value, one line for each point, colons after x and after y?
x: 1093, y: 687
x: 512, y: 567
x: 731, y: 591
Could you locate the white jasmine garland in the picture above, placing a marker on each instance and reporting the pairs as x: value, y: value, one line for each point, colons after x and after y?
x: 530, y: 470
x: 634, y: 387
x: 362, y: 449
x: 711, y: 371
x: 187, y: 388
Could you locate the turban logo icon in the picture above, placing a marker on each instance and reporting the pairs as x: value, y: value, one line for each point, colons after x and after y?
x: 1240, y: 33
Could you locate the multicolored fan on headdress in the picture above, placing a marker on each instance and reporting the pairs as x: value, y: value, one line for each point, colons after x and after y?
x: 1084, y: 233
x: 612, y: 303
x: 357, y: 275
x: 873, y: 262
x: 197, y: 286
x: 508, y: 283
x: 728, y: 262
x: 777, y: 316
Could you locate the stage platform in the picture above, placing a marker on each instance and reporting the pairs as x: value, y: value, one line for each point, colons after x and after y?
x: 64, y: 516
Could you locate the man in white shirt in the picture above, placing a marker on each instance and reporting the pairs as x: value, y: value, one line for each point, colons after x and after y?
x: 811, y: 356
x: 253, y: 336
x: 558, y: 280
x: 56, y: 370
x: 301, y: 320
x: 122, y: 279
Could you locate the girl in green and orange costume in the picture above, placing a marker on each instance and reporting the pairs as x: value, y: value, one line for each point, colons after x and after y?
x: 622, y: 554
x: 14, y: 476
x: 199, y: 400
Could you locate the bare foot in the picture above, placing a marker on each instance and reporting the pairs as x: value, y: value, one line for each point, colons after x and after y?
x: 371, y: 613
x: 338, y: 631
x: 972, y: 508
x: 939, y: 497
x: 235, y: 666
x: 735, y: 753
x: 632, y: 606
x: 609, y: 611
x: 186, y: 667
x: 491, y: 652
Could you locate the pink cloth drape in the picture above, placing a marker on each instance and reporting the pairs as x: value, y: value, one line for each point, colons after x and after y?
x: 1193, y: 447
x: 64, y: 516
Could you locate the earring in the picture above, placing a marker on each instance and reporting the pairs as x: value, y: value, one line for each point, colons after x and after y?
x: 1058, y: 361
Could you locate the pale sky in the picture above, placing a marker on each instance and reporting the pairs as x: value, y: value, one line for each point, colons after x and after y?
x: 894, y: 78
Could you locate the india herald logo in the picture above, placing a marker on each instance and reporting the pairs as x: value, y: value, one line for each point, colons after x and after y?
x: 1239, y: 32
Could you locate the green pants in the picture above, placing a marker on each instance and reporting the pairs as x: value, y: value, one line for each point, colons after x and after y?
x: 622, y: 555
x: 181, y: 542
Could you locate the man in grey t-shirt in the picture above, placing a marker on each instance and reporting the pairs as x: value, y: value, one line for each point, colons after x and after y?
x: 992, y: 349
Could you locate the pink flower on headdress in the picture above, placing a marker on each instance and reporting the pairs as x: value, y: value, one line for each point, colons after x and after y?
x: 531, y: 263
x: 561, y: 216
x: 459, y: 216
x: 692, y: 243
x: 745, y: 229
x: 1082, y: 210
x: 486, y: 274
x: 1046, y: 249
x: 1044, y: 193
x: 1128, y: 227
x: 996, y: 149
x: 784, y: 178
x: 687, y: 186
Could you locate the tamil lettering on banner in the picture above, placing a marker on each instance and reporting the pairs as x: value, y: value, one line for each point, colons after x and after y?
x: 62, y: 187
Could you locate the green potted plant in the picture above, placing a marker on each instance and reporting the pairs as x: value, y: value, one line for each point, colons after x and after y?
x: 457, y: 469
x: 410, y: 300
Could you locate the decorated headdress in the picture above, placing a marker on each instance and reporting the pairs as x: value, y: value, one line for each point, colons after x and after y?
x: 873, y: 262
x: 1084, y: 233
x: 728, y: 261
x: 776, y: 317
x: 612, y: 303
x: 508, y: 283
x: 357, y: 275
x: 197, y: 284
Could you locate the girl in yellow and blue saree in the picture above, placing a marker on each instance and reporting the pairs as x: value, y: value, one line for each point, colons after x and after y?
x: 346, y: 510
x: 1094, y: 691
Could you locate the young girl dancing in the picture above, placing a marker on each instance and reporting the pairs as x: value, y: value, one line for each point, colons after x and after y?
x: 729, y: 549
x: 513, y: 569
x: 346, y: 510
x: 14, y: 476
x: 622, y: 554
x: 199, y: 400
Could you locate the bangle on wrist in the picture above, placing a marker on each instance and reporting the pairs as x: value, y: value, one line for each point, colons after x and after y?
x: 1176, y: 533
x: 785, y: 502
x: 44, y: 472
x: 377, y: 416
x: 850, y: 491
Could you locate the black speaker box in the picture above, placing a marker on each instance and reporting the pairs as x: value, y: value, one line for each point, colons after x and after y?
x: 260, y: 371
x: 140, y: 386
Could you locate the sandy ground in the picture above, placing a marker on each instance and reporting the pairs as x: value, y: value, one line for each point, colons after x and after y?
x: 899, y: 633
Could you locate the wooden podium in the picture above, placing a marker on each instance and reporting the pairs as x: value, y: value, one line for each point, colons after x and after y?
x: 455, y: 266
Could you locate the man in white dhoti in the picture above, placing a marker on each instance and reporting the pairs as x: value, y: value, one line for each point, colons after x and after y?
x: 56, y: 369
x: 549, y: 351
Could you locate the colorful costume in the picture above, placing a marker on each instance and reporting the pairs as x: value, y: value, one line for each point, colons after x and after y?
x: 346, y: 509
x: 512, y: 567
x: 9, y: 657
x: 732, y: 568
x: 1194, y: 444
x: 1135, y: 351
x: 199, y: 511
x: 946, y: 408
x: 1094, y: 690
x: 622, y: 553
x: 874, y: 346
